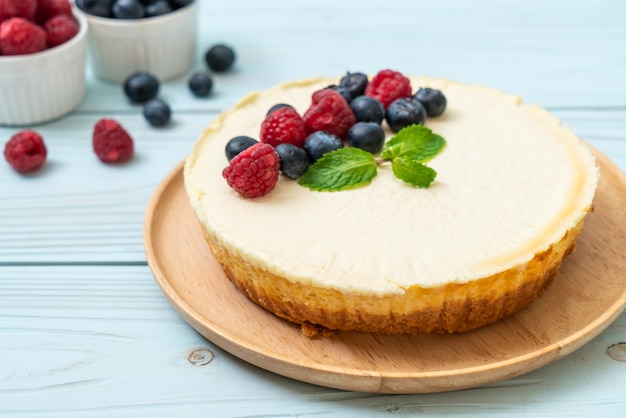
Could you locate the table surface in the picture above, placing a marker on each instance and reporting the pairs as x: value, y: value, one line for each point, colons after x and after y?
x: 85, y: 330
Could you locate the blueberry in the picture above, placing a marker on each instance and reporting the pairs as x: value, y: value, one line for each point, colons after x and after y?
x: 404, y: 112
x: 157, y: 112
x: 237, y: 144
x: 278, y: 106
x: 100, y: 8
x: 433, y: 100
x: 368, y: 136
x: 294, y: 161
x: 201, y: 84
x: 368, y: 109
x: 319, y: 143
x: 141, y: 87
x: 158, y: 8
x: 353, y: 84
x: 180, y: 3
x: 220, y: 58
x: 128, y: 9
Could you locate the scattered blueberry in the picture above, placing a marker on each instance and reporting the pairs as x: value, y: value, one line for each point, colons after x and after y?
x: 237, y: 144
x: 277, y: 106
x: 404, y: 112
x: 294, y: 161
x: 157, y: 112
x: 319, y: 143
x: 181, y: 3
x: 368, y: 136
x: 353, y: 84
x: 368, y: 109
x: 100, y: 8
x: 433, y: 100
x: 220, y: 58
x: 128, y: 9
x: 157, y: 8
x: 201, y: 84
x: 343, y: 92
x: 141, y: 87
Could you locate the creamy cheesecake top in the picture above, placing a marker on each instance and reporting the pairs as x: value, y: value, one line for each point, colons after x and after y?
x: 510, y: 182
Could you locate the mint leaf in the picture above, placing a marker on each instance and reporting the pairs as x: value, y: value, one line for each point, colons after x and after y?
x: 416, y: 142
x: 413, y: 172
x: 342, y: 169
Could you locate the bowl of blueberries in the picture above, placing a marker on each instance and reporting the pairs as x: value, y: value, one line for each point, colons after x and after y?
x: 126, y: 36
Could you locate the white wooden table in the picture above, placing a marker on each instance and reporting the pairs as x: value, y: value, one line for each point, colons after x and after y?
x: 85, y: 330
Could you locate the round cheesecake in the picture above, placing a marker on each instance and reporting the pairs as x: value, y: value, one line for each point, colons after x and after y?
x: 512, y: 190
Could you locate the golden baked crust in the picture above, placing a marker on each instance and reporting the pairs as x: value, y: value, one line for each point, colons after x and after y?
x: 450, y: 308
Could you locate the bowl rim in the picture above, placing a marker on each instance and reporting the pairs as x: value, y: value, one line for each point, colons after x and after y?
x: 146, y: 21
x: 83, y: 27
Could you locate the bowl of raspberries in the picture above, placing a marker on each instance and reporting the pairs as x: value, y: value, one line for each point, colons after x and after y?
x: 43, y: 48
x: 126, y: 36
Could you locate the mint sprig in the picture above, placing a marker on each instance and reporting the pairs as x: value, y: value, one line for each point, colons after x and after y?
x: 348, y: 168
x: 341, y: 169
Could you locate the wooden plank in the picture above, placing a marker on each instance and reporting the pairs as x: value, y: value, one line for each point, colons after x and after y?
x: 102, y: 341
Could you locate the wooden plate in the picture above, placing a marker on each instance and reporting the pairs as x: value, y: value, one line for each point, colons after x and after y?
x: 586, y: 297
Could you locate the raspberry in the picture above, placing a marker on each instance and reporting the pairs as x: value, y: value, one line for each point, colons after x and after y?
x: 282, y: 126
x: 253, y: 172
x: 19, y: 36
x: 17, y: 8
x: 47, y: 9
x: 387, y: 86
x: 329, y: 112
x: 60, y: 29
x: 111, y: 143
x: 25, y: 151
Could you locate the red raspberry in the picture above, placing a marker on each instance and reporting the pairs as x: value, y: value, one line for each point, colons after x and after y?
x: 47, y: 9
x: 387, y: 86
x: 111, y: 143
x: 17, y: 8
x: 60, y: 29
x: 329, y: 112
x: 25, y: 151
x: 19, y: 36
x: 284, y: 125
x: 254, y: 171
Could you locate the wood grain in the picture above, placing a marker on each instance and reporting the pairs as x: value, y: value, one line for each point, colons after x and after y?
x: 588, y: 295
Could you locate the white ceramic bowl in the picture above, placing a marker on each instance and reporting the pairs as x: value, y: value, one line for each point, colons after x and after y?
x: 164, y: 45
x: 37, y: 88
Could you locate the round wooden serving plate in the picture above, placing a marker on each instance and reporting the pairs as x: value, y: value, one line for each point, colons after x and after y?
x: 586, y: 297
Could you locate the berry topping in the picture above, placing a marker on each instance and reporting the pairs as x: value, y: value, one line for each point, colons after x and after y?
x: 329, y: 112
x: 25, y: 151
x: 281, y: 126
x: 141, y: 87
x: 368, y: 136
x: 157, y: 8
x: 128, y: 9
x: 111, y: 142
x: 17, y: 8
x: 433, y: 100
x: 404, y: 112
x: 237, y: 144
x: 201, y: 84
x: 294, y: 161
x: 387, y: 86
x: 368, y: 109
x: 254, y: 172
x: 60, y: 29
x: 100, y: 8
x: 157, y: 112
x: 220, y: 58
x: 319, y: 143
x: 353, y: 84
x: 278, y: 106
x: 20, y: 36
